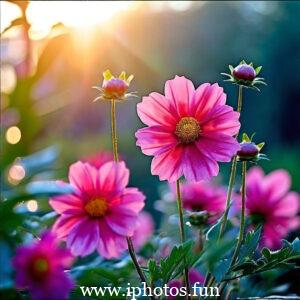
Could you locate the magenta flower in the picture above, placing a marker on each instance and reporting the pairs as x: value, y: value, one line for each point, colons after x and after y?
x: 204, y: 196
x: 143, y: 231
x: 188, y: 130
x: 269, y: 202
x: 101, y: 213
x: 40, y: 268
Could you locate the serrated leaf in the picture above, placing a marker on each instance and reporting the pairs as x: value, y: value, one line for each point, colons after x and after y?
x: 250, y: 244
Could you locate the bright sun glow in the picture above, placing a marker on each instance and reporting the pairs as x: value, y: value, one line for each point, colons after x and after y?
x: 42, y: 15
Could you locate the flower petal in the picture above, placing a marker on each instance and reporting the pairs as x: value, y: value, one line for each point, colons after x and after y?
x: 196, y: 166
x: 220, y: 119
x: 132, y: 199
x: 168, y: 164
x: 157, y: 110
x: 218, y: 146
x: 64, y: 204
x: 84, y: 237
x: 113, y: 178
x: 206, y: 98
x: 111, y: 244
x: 155, y: 140
x: 277, y: 183
x: 122, y: 221
x: 180, y: 91
x: 64, y: 224
x: 83, y: 176
x: 288, y: 206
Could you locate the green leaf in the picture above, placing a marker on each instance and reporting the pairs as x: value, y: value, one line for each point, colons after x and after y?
x: 250, y: 244
x: 260, y: 145
x: 221, y: 269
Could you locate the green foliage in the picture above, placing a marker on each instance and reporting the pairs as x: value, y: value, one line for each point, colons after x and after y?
x: 173, y: 265
x: 268, y: 259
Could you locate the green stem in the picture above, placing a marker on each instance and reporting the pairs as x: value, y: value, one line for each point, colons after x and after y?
x: 242, y: 222
x: 114, y: 139
x: 182, y: 235
x: 232, y: 173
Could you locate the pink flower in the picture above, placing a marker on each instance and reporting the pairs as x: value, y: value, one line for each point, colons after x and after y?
x: 194, y: 277
x: 188, y: 130
x: 204, y: 196
x: 143, y: 231
x: 270, y: 202
x: 40, y: 268
x: 101, y: 213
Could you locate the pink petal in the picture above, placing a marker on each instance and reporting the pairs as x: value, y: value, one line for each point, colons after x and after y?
x: 180, y: 91
x: 64, y: 224
x: 122, y: 221
x: 168, y: 165
x: 288, y: 206
x: 84, y: 177
x: 84, y: 237
x: 206, y: 98
x: 132, y: 199
x: 220, y: 119
x: 271, y: 237
x: 157, y: 110
x: 113, y: 178
x: 254, y: 191
x: 218, y: 146
x: 111, y: 244
x: 277, y: 183
x: 155, y: 140
x: 67, y: 203
x: 197, y: 166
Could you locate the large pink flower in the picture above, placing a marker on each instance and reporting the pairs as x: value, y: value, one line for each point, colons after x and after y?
x: 40, y: 268
x: 270, y: 202
x: 204, y: 196
x: 101, y: 213
x: 188, y: 130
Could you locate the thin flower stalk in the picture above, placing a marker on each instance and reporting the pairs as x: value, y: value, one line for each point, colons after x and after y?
x: 116, y: 158
x: 182, y: 234
x: 243, y: 213
x: 232, y: 172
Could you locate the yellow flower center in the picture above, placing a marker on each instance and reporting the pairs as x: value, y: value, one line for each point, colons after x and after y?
x: 187, y: 130
x: 96, y: 207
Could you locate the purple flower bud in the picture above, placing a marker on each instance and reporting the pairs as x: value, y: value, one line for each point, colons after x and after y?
x: 115, y: 88
x: 248, y: 150
x: 244, y: 72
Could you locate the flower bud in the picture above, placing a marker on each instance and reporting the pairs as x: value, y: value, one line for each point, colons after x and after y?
x: 248, y: 151
x: 115, y: 88
x: 245, y: 75
x: 198, y: 219
x: 244, y: 72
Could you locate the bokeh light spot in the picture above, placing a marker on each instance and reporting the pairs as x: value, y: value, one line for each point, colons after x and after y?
x: 15, y: 174
x: 13, y: 135
x: 32, y: 205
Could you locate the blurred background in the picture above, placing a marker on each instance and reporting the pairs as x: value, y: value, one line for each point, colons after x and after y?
x: 53, y: 52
